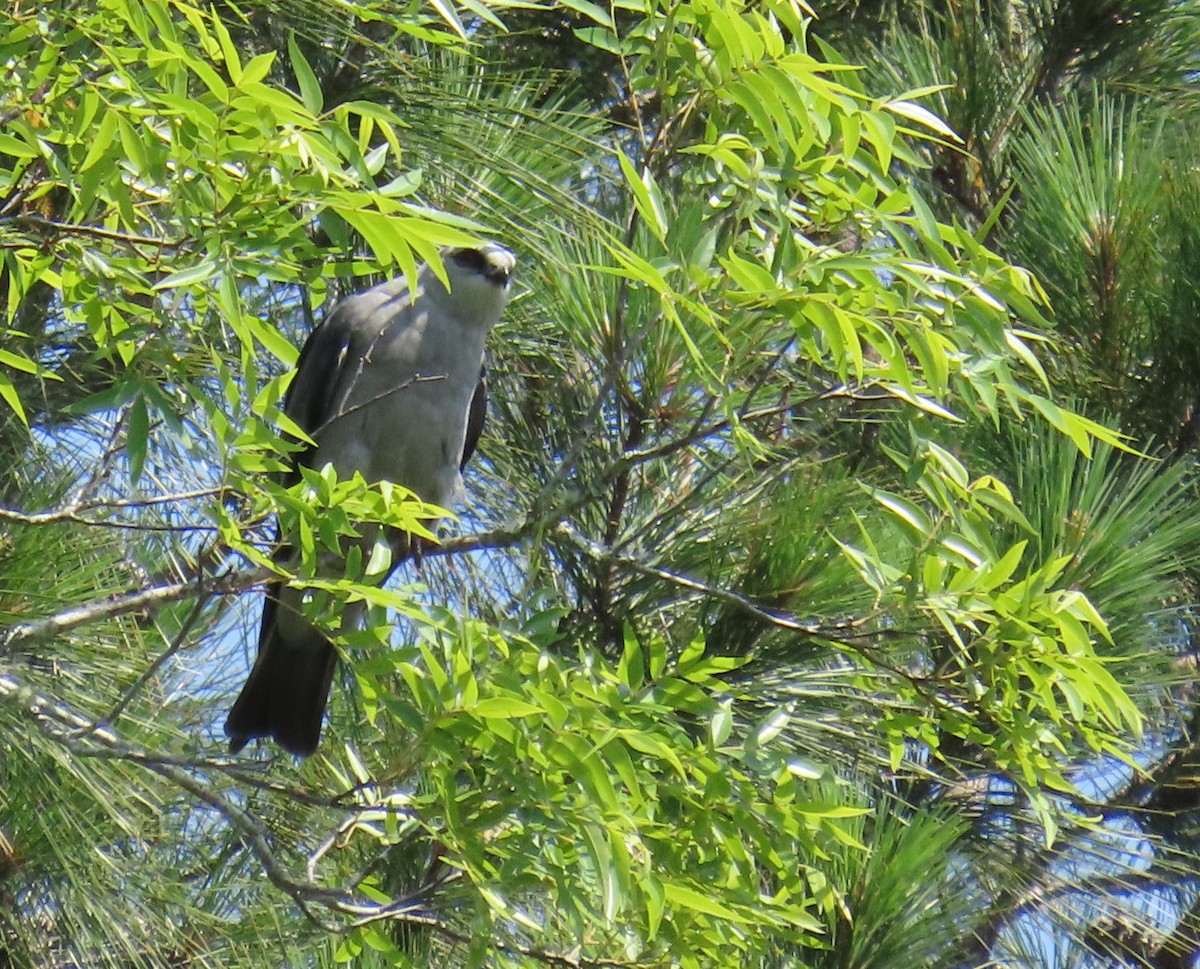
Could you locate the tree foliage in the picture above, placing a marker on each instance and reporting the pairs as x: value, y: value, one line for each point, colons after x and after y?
x: 796, y: 590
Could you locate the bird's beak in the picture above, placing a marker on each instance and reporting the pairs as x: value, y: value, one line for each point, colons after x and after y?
x: 500, y: 274
x: 500, y: 265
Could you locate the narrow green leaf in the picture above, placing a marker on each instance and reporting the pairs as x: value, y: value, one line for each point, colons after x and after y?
x: 310, y: 87
x: 16, y: 147
x: 655, y: 899
x: 772, y: 726
x: 632, y: 668
x: 721, y: 724
x: 600, y: 38
x: 1000, y: 572
x: 504, y: 708
x: 275, y: 342
x: 137, y: 432
x: 685, y: 896
x: 257, y: 68
x: 483, y: 10
x: 189, y: 276
x: 450, y: 15
x: 648, y: 202
x: 602, y: 860
x: 212, y: 80
x: 134, y: 147
x: 9, y: 393
x: 905, y: 510
x: 18, y: 362
x: 922, y: 116
x: 100, y: 138
x: 229, y: 50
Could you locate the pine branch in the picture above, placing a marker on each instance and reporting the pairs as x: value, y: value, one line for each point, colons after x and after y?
x: 47, y: 628
x: 82, y: 737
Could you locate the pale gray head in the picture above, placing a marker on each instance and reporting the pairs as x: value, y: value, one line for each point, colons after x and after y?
x: 480, y: 281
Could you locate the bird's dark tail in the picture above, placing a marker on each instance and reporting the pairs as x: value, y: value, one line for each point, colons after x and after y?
x: 285, y: 695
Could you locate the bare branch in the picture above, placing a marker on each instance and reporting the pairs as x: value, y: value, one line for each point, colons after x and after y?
x: 698, y: 434
x: 842, y: 632
x: 149, y: 672
x: 103, y: 468
x: 42, y: 224
x: 403, y: 385
x: 47, y: 628
x: 76, y: 511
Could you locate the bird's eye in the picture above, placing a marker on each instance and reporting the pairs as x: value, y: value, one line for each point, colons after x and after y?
x: 471, y: 259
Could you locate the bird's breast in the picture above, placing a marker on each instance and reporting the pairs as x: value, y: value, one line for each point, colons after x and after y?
x: 405, y: 413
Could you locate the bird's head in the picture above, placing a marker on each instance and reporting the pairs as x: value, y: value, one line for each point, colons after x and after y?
x: 480, y: 280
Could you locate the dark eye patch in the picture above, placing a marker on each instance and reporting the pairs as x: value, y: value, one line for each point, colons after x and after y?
x: 471, y: 259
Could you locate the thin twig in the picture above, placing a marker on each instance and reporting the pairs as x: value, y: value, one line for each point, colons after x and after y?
x: 71, y: 729
x: 698, y: 434
x: 77, y: 519
x: 93, y: 231
x: 846, y: 633
x: 404, y: 385
x: 150, y: 671
x: 49, y: 627
x: 106, y: 504
x: 108, y: 458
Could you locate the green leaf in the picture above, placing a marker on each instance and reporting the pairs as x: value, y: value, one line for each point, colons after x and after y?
x: 602, y: 859
x: 1022, y: 350
x: 906, y: 512
x: 18, y: 362
x: 380, y: 561
x: 450, y: 15
x: 229, y: 50
x: 212, y: 80
x: 101, y: 139
x: 16, y: 147
x: 655, y: 898
x: 631, y: 669
x: 600, y: 38
x: 771, y: 726
x: 198, y: 273
x: 377, y: 940
x: 504, y: 708
x: 310, y: 87
x: 1000, y: 572
x: 591, y: 10
x: 257, y: 68
x: 1064, y: 421
x: 923, y: 116
x: 9, y: 393
x: 137, y: 432
x: 274, y: 341
x: 721, y: 724
x: 647, y: 197
x: 684, y: 896
x: 134, y: 147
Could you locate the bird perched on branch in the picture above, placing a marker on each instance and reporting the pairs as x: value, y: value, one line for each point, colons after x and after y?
x: 390, y: 384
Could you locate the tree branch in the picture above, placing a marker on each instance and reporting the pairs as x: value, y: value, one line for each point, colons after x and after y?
x: 82, y: 737
x: 41, y: 223
x: 41, y: 630
x: 75, y: 512
x: 842, y: 633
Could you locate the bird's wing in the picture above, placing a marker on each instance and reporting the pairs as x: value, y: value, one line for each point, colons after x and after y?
x: 320, y: 369
x: 329, y: 363
x: 475, y: 418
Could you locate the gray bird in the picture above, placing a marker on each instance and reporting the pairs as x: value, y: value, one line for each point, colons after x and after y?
x: 390, y: 384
